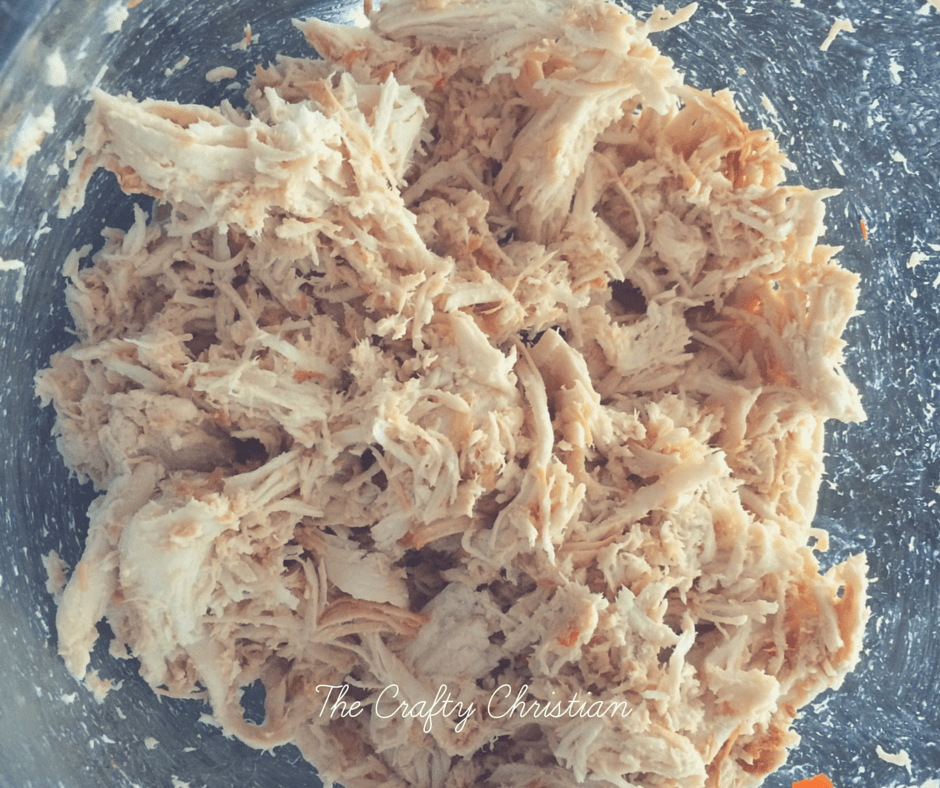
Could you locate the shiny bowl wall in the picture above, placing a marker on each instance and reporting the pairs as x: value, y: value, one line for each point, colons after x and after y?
x: 863, y: 116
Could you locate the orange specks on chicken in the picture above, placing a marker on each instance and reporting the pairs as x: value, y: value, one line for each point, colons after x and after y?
x: 753, y: 304
x: 569, y: 638
x: 303, y: 375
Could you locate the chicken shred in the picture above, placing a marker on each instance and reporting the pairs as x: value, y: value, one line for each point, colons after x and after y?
x: 482, y: 353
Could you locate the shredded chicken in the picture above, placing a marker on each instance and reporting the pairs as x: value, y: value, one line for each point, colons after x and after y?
x: 481, y: 356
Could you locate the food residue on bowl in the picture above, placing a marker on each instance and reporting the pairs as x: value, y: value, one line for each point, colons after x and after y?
x: 900, y: 758
x: 838, y: 26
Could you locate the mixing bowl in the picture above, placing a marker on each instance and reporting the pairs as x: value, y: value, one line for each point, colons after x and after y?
x: 861, y: 115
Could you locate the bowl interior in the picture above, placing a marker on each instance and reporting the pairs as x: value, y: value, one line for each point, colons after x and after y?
x: 862, y: 116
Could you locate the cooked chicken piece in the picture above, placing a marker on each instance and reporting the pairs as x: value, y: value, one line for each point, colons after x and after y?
x: 468, y: 391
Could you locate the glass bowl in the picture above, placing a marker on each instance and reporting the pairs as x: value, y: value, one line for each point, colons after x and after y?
x: 862, y: 115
